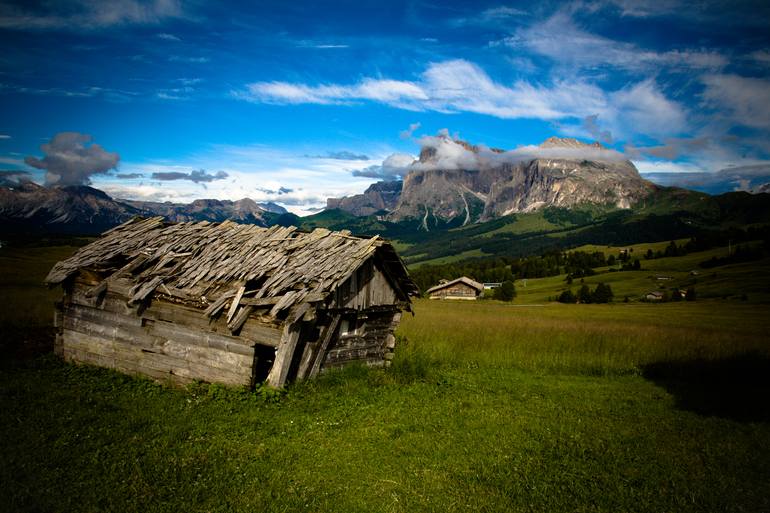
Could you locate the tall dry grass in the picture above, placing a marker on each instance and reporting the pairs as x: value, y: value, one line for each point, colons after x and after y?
x: 583, y: 339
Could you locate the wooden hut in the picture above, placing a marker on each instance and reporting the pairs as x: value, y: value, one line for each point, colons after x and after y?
x: 460, y: 288
x: 229, y: 303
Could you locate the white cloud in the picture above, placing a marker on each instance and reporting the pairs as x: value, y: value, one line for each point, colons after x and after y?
x: 407, y: 134
x: 71, y: 159
x: 501, y: 15
x: 449, y: 154
x: 461, y: 86
x: 563, y: 41
x: 168, y: 37
x: 644, y: 109
x: 744, y: 101
x: 296, y: 181
x: 395, y: 167
x: 188, y: 59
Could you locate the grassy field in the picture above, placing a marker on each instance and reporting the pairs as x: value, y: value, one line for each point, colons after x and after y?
x: 487, y: 407
x: 741, y: 282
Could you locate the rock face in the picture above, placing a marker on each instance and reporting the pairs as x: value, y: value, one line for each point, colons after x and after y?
x: 28, y: 207
x: 378, y: 197
x: 244, y: 210
x: 454, y: 179
x: 71, y: 209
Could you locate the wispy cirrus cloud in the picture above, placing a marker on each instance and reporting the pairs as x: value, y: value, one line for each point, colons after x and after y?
x: 340, y: 155
x: 89, y: 15
x: 196, y: 176
x: 560, y: 39
x: 461, y: 86
x: 743, y: 100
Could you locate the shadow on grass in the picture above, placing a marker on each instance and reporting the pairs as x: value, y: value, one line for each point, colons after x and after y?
x: 736, y: 388
x: 22, y: 343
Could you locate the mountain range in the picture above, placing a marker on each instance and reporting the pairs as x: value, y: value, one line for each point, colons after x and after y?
x: 26, y: 207
x: 454, y: 179
x: 457, y: 200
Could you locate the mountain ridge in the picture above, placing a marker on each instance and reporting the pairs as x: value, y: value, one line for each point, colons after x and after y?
x: 454, y: 179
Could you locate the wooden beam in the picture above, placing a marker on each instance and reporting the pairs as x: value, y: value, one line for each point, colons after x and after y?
x: 234, y: 304
x: 283, y: 356
x: 321, y: 354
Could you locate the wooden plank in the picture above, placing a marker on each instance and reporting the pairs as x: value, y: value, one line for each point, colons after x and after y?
x: 98, y: 290
x: 119, y: 355
x: 217, y: 306
x: 234, y: 304
x: 243, y: 314
x: 144, y: 290
x: 283, y: 357
x: 209, y: 349
x: 321, y: 354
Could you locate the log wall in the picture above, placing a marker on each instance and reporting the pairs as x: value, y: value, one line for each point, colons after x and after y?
x: 372, y: 342
x: 166, y: 341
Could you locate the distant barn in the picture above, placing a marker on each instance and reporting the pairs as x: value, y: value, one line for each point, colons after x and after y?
x: 229, y: 303
x: 460, y: 288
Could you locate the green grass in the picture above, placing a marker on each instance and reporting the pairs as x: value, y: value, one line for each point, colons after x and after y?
x: 744, y: 282
x: 472, y: 253
x: 487, y: 407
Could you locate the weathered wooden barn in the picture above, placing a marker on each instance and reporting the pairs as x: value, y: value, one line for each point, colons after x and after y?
x: 460, y: 288
x: 229, y: 303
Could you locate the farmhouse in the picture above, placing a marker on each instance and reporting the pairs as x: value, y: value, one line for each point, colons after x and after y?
x: 229, y: 303
x: 654, y: 296
x: 460, y: 288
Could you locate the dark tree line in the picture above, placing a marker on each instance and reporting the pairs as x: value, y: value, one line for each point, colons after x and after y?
x: 601, y: 294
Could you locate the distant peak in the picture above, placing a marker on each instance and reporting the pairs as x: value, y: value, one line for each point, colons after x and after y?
x: 568, y: 142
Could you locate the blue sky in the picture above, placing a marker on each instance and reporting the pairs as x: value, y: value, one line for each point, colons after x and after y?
x: 297, y: 101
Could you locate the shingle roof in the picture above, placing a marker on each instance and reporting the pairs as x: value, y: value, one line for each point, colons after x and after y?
x: 471, y: 283
x: 213, y: 261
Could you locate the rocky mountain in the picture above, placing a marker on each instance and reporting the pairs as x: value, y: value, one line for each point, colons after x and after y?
x: 453, y: 179
x: 28, y: 207
x: 378, y: 197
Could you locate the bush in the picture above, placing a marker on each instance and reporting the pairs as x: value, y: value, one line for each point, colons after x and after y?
x: 584, y: 294
x: 602, y: 293
x: 567, y: 297
x: 505, y: 292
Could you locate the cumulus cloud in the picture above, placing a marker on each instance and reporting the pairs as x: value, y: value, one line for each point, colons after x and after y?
x: 446, y: 153
x: 395, y: 167
x: 70, y: 159
x: 85, y: 14
x: 340, y: 155
x: 195, y: 176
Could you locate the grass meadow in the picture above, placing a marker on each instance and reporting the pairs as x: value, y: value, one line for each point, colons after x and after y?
x: 487, y: 407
